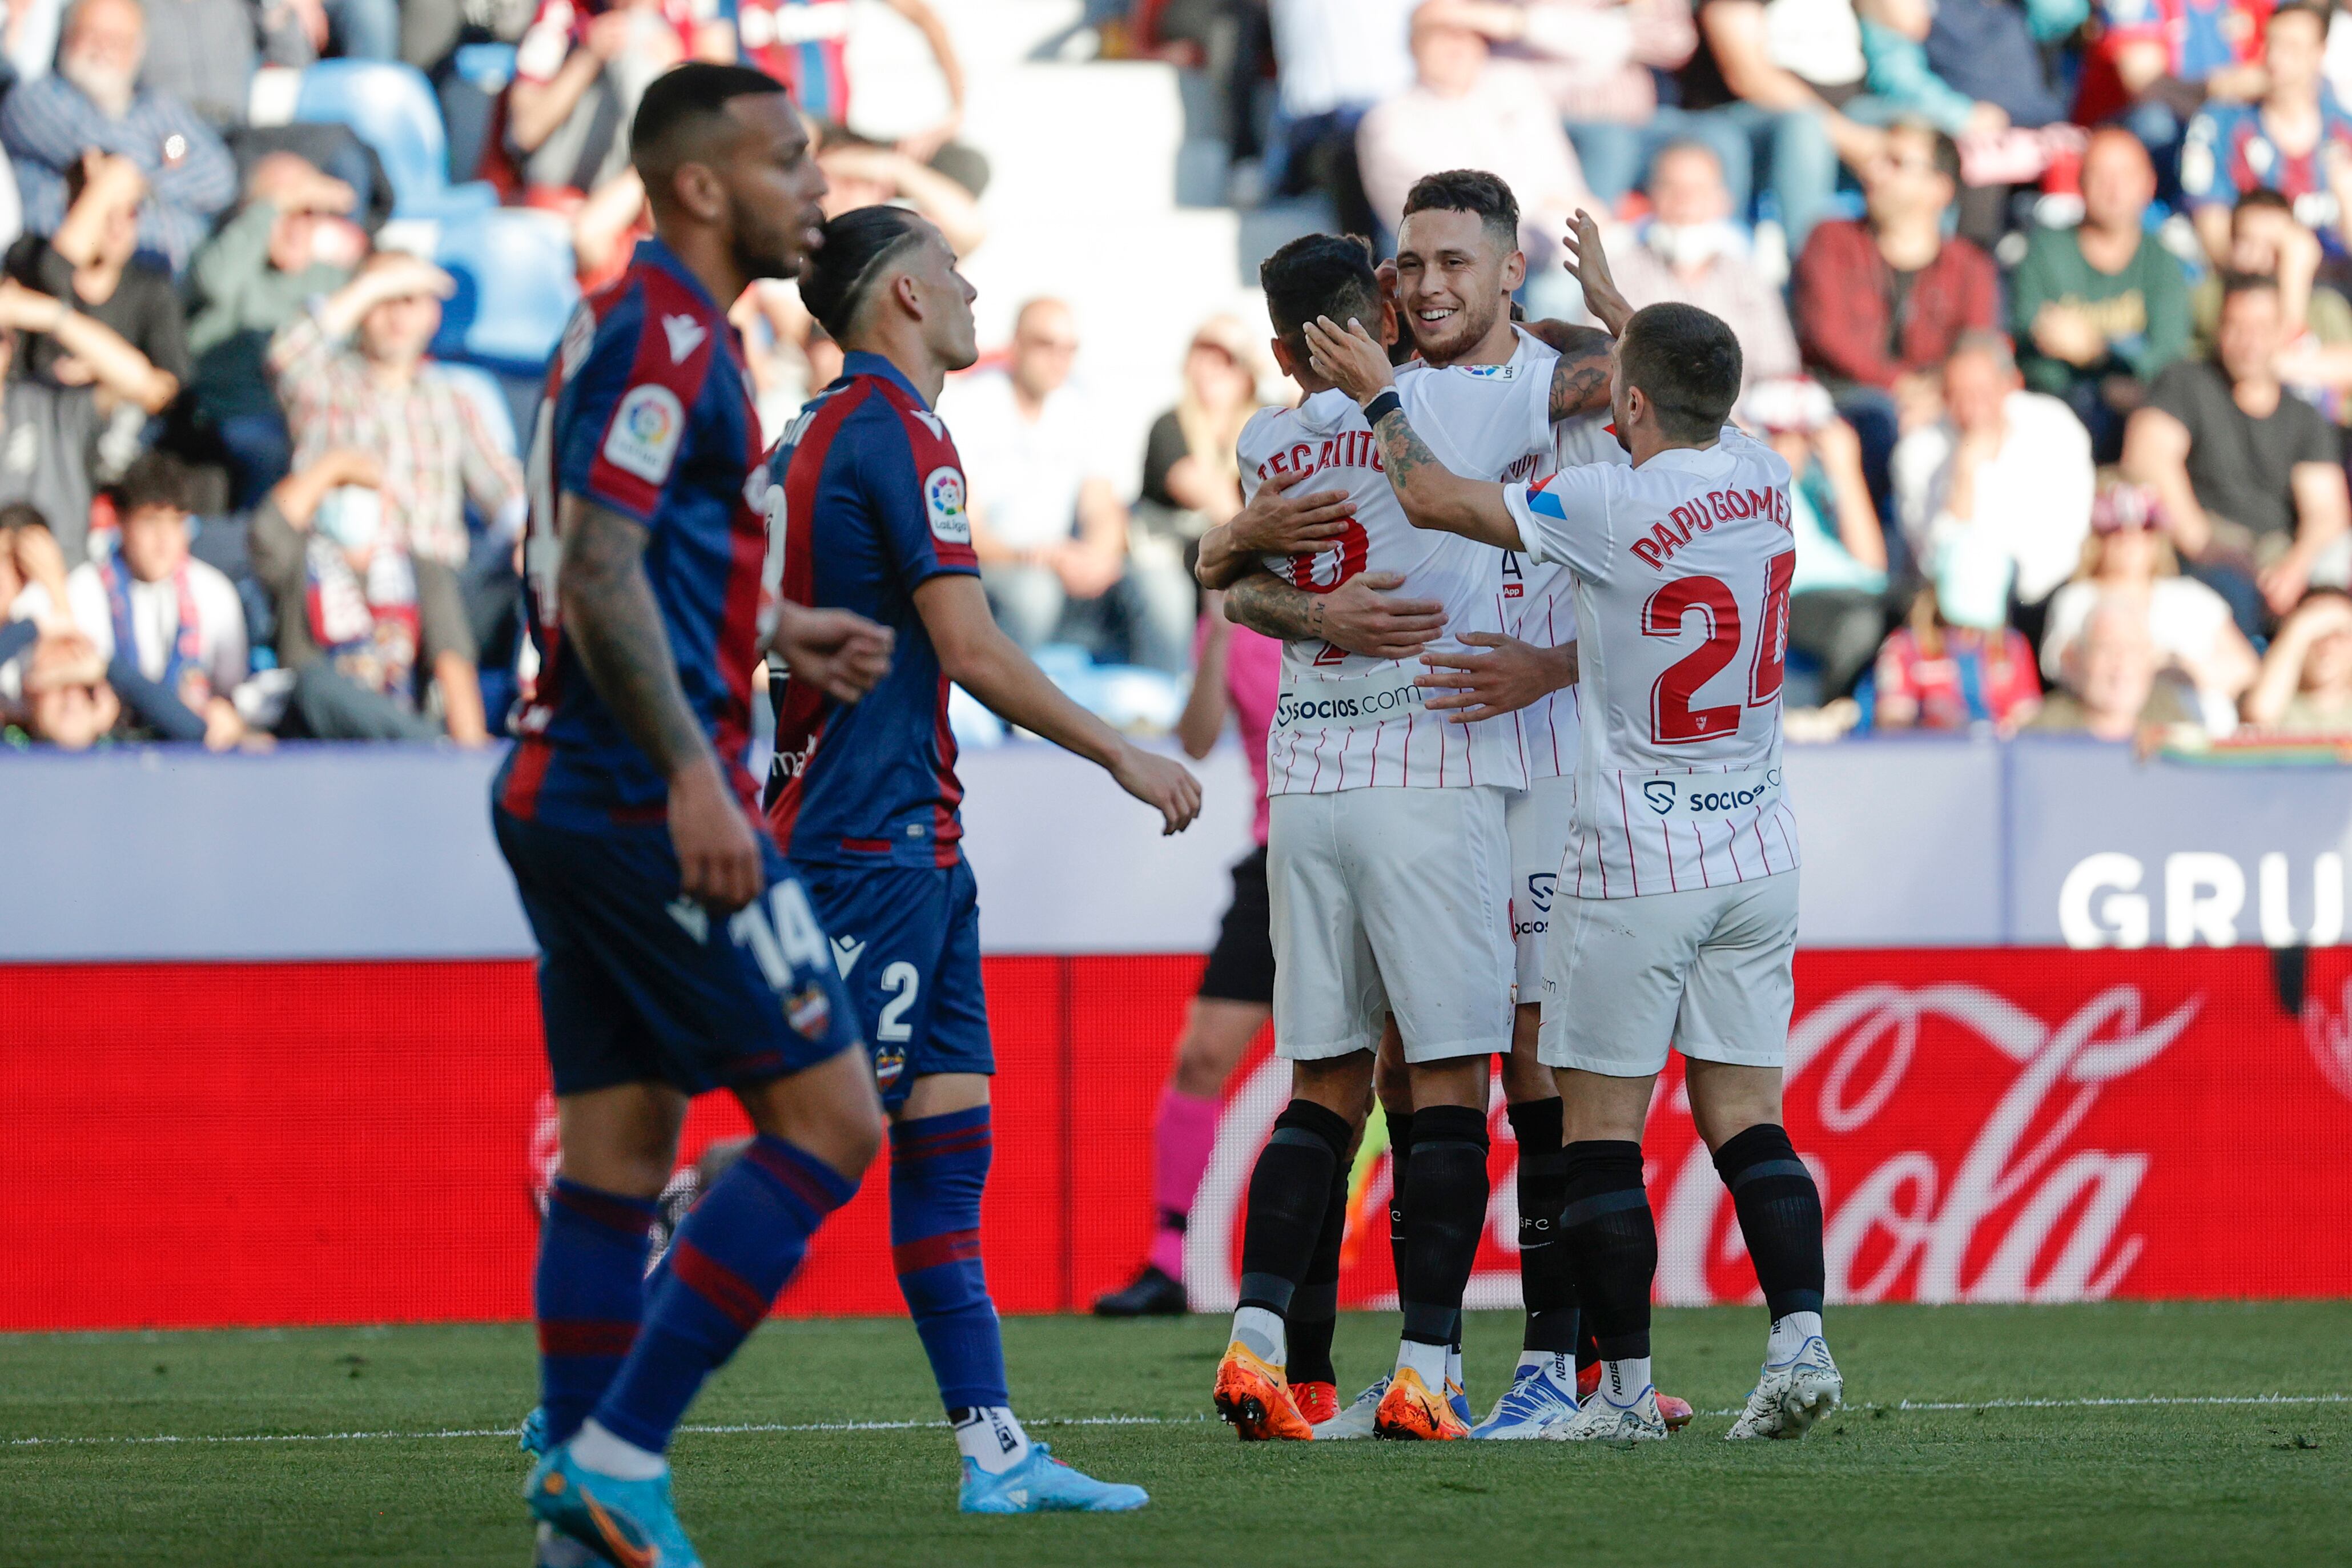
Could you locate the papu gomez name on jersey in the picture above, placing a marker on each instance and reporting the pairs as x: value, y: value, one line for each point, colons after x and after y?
x: 1700, y: 516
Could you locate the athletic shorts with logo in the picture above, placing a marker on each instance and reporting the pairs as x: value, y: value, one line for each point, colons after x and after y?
x: 906, y: 942
x: 1391, y: 900
x: 1706, y: 969
x: 1537, y: 819
x: 638, y: 985
x: 1241, y: 966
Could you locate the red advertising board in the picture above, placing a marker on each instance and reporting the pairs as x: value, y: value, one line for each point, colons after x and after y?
x: 197, y: 1144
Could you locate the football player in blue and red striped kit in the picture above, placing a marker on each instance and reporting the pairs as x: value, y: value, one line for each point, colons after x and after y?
x: 869, y: 495
x: 678, y: 952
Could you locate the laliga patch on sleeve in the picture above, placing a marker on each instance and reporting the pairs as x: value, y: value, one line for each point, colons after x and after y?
x: 644, y: 434
x: 943, y: 503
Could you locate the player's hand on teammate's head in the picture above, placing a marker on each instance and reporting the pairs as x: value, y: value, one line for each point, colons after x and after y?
x: 841, y: 654
x: 1278, y: 522
x: 1162, y: 783
x: 1349, y: 357
x: 718, y: 860
x: 1359, y: 616
x: 1509, y: 676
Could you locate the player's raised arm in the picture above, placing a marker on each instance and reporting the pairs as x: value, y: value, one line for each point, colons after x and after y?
x: 1434, y: 495
x: 1580, y: 382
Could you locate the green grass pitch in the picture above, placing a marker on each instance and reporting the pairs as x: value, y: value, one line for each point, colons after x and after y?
x: 2018, y: 1461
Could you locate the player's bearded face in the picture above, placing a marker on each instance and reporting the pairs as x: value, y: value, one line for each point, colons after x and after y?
x: 1450, y: 283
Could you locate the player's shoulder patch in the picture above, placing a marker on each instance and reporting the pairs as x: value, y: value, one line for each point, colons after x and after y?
x: 944, y: 505
x: 646, y: 428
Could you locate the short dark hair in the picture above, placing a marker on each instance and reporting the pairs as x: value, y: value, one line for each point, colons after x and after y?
x: 2318, y: 15
x: 1947, y: 152
x: 2259, y: 198
x: 19, y: 514
x: 682, y: 104
x: 837, y: 279
x: 2236, y: 283
x: 154, y: 479
x: 1319, y: 275
x: 1686, y: 362
x: 1469, y: 190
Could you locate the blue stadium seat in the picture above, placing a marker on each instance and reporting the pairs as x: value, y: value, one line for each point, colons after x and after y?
x: 516, y: 289
x: 392, y: 109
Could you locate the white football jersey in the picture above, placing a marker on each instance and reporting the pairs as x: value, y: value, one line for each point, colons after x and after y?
x: 1682, y: 570
x: 1344, y: 722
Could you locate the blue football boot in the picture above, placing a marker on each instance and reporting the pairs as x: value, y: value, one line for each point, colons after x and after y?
x: 532, y: 1437
x: 1536, y: 1399
x: 630, y: 1524
x: 1043, y: 1484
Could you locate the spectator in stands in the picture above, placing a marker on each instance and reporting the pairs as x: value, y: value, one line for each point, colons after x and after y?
x: 1464, y: 112
x: 50, y: 436
x: 1691, y: 250
x: 579, y: 72
x: 292, y: 242
x: 2100, y: 308
x: 804, y: 43
x: 2153, y: 64
x: 92, y: 264
x: 1593, y: 59
x: 1766, y: 88
x: 1335, y: 60
x: 861, y: 175
x: 1973, y: 105
x: 361, y: 622
x: 1837, y: 598
x: 2115, y: 687
x: 2251, y: 479
x: 32, y: 598
x: 170, y: 627
x: 2294, y: 140
x: 1191, y: 481
x: 2009, y: 466
x: 203, y: 52
x: 68, y: 703
x: 2128, y: 557
x: 351, y: 375
x: 1046, y: 523
x: 1953, y: 672
x: 2307, y: 681
x: 2265, y: 241
x: 94, y: 102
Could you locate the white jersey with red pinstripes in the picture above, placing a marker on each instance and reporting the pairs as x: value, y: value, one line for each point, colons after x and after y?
x: 1681, y: 568
x: 1344, y: 722
x: 1547, y: 606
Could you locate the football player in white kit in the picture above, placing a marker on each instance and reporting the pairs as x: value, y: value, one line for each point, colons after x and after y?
x: 1387, y: 866
x: 1678, y: 908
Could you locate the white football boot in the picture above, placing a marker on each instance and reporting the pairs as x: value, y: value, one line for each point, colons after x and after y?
x: 1791, y: 1395
x: 1598, y: 1421
x: 1356, y: 1420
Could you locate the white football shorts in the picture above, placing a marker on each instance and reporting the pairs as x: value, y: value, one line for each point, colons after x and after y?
x: 1706, y: 969
x: 1537, y: 819
x: 1389, y: 900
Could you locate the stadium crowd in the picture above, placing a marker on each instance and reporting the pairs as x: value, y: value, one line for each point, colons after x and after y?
x: 2044, y: 301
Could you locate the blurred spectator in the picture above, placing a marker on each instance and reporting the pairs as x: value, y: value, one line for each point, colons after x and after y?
x: 2010, y: 466
x: 2265, y: 241
x: 1594, y: 59
x: 1335, y: 60
x: 1837, y: 599
x: 2307, y: 680
x: 2250, y: 479
x: 161, y: 616
x: 1941, y: 671
x: 2155, y: 63
x: 361, y: 622
x: 2129, y: 558
x: 1464, y: 111
x: 351, y: 375
x: 1690, y: 250
x: 1990, y: 51
x: 50, y: 436
x: 92, y: 264
x: 2114, y: 685
x: 2100, y: 308
x: 1192, y: 481
x: 32, y: 596
x: 804, y: 43
x: 203, y: 53
x: 11, y: 208
x: 93, y: 103
x: 861, y: 175
x: 291, y: 242
x: 2294, y: 140
x: 68, y: 703
x: 1047, y: 525
x: 1766, y: 89
x: 28, y: 38
x: 579, y: 72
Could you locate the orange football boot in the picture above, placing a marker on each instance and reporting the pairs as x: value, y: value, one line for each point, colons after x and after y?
x: 1677, y: 1412
x: 1317, y: 1402
x: 1410, y: 1412
x: 1252, y: 1396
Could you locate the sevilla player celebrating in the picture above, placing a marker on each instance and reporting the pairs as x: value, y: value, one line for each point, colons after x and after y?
x: 1678, y: 897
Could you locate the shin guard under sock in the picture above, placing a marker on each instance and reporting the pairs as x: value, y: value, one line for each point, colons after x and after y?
x: 1289, y: 1190
x: 1608, y: 1229
x: 1780, y: 1216
x: 1447, y: 1201
x: 1546, y: 1284
x: 938, y: 1169
x: 1314, y: 1307
x: 588, y: 1296
x: 1400, y: 1170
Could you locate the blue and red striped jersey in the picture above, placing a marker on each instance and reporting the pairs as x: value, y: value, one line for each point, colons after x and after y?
x: 869, y: 495
x: 648, y: 413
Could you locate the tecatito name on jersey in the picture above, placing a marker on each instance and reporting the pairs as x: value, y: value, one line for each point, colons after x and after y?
x: 648, y: 414
x: 1682, y: 570
x: 1345, y: 721
x: 867, y: 500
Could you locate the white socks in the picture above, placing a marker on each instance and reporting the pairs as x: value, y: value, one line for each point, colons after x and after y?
x: 1621, y: 1382
x: 989, y: 1437
x: 596, y: 1449
x: 1453, y: 1365
x: 1788, y: 1337
x: 1562, y: 1366
x: 1263, y: 1334
x: 1428, y: 1360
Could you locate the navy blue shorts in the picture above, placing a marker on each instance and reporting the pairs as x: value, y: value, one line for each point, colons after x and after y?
x: 906, y: 940
x: 638, y: 985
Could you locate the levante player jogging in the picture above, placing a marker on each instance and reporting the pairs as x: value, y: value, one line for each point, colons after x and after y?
x: 679, y: 954
x: 867, y: 495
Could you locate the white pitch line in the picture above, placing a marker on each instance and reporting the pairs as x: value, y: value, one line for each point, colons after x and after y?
x: 735, y: 1428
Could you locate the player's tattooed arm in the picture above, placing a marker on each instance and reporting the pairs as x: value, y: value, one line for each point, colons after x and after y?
x: 1580, y: 382
x: 1359, y: 616
x: 1276, y: 522
x: 610, y: 615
